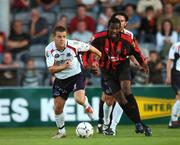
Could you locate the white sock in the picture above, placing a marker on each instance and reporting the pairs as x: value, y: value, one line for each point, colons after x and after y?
x: 60, y: 122
x: 86, y: 103
x: 116, y: 116
x: 107, y: 111
x: 175, y: 111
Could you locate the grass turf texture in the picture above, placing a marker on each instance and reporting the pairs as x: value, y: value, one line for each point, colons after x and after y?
x: 125, y: 136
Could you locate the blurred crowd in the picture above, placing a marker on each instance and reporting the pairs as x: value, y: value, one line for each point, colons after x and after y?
x: 155, y: 24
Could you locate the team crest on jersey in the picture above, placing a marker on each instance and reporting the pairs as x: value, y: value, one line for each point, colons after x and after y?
x: 68, y: 55
x: 56, y: 55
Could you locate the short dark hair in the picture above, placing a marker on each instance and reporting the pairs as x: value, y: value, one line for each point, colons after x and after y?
x: 114, y: 20
x: 59, y: 29
x: 120, y: 14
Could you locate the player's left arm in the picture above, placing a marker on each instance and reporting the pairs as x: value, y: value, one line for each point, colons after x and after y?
x: 139, y: 57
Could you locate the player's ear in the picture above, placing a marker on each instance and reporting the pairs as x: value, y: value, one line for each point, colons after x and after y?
x: 126, y: 24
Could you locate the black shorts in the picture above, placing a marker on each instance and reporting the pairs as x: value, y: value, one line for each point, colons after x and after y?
x: 65, y: 86
x: 111, y: 80
x: 175, y: 80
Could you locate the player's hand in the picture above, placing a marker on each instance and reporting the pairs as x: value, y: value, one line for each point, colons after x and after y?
x: 145, y: 68
x: 67, y: 64
x: 168, y: 80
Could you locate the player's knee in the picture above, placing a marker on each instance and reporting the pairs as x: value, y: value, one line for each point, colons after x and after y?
x: 109, y: 100
x: 58, y: 109
x: 126, y: 90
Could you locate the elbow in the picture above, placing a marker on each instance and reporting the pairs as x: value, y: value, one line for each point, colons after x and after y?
x: 51, y: 70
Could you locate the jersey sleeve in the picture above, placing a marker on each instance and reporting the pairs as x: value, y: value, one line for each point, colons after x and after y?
x: 49, y: 58
x: 137, y: 52
x: 80, y: 46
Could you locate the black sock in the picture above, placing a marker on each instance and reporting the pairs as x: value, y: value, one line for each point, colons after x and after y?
x: 134, y: 107
x: 101, y: 113
x: 131, y: 109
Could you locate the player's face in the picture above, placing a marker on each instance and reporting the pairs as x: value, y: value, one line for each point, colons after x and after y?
x: 123, y: 21
x: 60, y: 40
x: 114, y: 31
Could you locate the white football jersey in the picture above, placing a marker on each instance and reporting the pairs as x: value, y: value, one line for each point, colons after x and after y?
x: 129, y: 33
x: 54, y: 56
x: 175, y: 48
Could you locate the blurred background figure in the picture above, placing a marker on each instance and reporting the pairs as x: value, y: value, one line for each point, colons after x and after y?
x: 82, y: 34
x: 48, y: 6
x: 2, y: 45
x: 169, y: 14
x: 18, y: 42
x: 8, y: 70
x: 82, y: 15
x: 148, y: 26
x: 155, y: 68
x: 143, y: 4
x: 165, y: 38
x: 103, y: 18
x: 30, y: 76
x: 20, y: 6
x: 134, y: 20
x: 38, y: 28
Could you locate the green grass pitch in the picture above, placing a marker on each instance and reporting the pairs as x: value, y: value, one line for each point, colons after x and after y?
x: 125, y: 136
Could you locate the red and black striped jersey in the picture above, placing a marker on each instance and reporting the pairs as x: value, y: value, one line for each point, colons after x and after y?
x: 113, y: 53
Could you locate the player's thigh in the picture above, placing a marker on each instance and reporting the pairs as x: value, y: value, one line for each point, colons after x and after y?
x: 126, y: 87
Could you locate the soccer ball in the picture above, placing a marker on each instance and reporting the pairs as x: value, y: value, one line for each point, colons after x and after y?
x: 84, y: 130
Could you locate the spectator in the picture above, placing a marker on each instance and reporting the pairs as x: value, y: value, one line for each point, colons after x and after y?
x: 148, y: 27
x: 82, y: 34
x: 156, y: 4
x: 155, y: 68
x: 30, y: 76
x: 92, y: 5
x: 134, y: 20
x: 48, y: 6
x: 168, y: 14
x: 8, y: 70
x: 2, y: 44
x: 166, y: 38
x: 18, y: 41
x: 19, y: 5
x: 38, y: 28
x: 115, y: 4
x: 82, y: 15
x: 104, y: 18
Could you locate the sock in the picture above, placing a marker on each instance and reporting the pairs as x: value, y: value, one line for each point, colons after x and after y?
x: 116, y: 116
x: 134, y: 107
x: 60, y: 122
x: 101, y: 114
x: 86, y: 103
x: 175, y: 111
x: 107, y: 111
x: 131, y: 109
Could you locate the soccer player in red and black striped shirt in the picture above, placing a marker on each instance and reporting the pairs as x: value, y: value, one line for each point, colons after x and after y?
x: 116, y: 48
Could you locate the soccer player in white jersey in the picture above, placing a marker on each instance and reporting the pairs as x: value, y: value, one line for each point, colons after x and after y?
x: 173, y: 78
x: 62, y: 61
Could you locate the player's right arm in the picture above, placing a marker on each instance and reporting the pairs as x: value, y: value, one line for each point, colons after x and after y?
x: 53, y: 67
x: 57, y: 68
